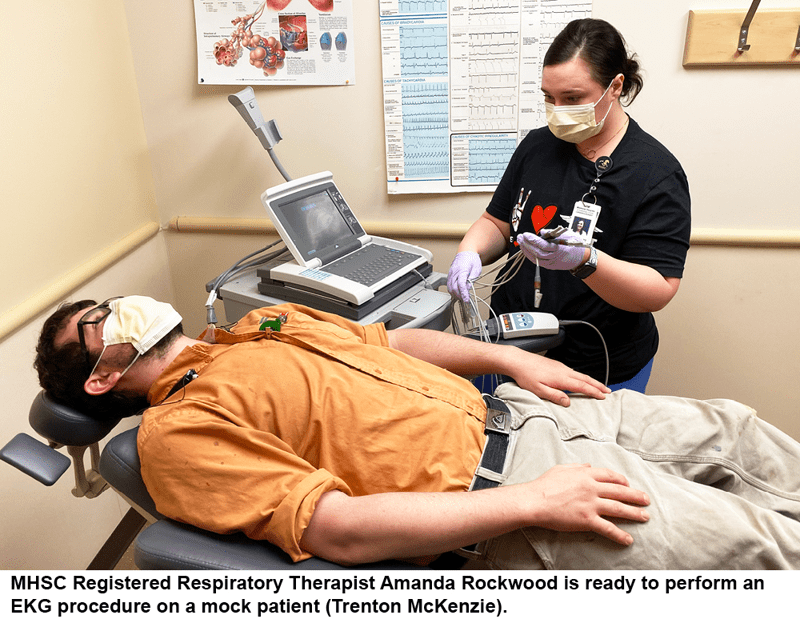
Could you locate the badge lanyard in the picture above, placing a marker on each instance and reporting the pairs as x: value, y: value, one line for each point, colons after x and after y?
x: 601, y: 166
x: 589, y: 212
x: 583, y: 220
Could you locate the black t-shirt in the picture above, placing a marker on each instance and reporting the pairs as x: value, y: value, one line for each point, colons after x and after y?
x: 645, y: 218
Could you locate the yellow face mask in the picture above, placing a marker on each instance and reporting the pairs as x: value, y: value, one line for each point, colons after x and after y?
x: 575, y: 123
x: 139, y: 321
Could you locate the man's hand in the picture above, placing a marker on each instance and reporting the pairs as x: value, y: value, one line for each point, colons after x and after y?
x: 351, y: 530
x: 550, y: 379
x: 577, y: 497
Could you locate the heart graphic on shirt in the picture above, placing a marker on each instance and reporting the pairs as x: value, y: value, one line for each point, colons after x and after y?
x: 542, y: 216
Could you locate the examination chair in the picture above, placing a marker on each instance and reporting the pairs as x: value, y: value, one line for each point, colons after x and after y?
x: 164, y: 544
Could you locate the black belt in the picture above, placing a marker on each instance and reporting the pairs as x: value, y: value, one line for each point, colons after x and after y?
x: 498, y: 424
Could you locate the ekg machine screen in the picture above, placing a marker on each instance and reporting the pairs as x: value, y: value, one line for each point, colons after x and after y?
x: 315, y: 223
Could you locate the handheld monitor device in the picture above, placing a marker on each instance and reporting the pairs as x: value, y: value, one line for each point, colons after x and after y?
x: 333, y: 253
x: 526, y: 324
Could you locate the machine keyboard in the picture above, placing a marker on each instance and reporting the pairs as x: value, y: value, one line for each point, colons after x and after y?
x: 370, y: 264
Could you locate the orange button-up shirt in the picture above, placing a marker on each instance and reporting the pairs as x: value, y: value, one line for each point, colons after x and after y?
x: 277, y: 418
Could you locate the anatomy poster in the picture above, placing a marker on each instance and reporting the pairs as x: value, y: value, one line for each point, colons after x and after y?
x: 307, y: 42
x: 462, y: 86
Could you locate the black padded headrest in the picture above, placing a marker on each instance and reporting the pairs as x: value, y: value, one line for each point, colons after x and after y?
x: 65, y: 425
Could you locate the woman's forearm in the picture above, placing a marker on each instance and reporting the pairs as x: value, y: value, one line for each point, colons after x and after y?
x: 631, y: 287
x: 488, y: 237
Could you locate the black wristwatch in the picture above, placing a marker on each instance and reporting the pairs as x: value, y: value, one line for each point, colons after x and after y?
x: 588, y: 267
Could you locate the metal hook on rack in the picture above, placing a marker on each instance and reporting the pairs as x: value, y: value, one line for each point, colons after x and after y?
x: 743, y: 46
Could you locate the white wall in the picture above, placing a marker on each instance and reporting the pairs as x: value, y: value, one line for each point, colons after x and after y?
x: 74, y: 165
x: 731, y: 128
x: 731, y: 332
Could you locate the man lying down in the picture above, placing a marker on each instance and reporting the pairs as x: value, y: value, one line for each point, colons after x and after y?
x: 355, y: 444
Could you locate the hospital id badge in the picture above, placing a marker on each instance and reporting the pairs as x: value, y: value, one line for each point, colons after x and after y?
x: 583, y: 220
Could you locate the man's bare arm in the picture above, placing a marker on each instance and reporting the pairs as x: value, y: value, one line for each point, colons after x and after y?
x: 352, y: 530
x: 545, y: 377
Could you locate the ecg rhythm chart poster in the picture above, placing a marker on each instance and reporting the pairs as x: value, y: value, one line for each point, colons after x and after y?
x: 305, y: 42
x: 462, y: 86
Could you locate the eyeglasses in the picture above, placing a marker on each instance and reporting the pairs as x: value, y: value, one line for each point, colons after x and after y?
x: 93, y: 316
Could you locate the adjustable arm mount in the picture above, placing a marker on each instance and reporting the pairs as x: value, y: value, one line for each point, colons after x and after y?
x: 267, y: 133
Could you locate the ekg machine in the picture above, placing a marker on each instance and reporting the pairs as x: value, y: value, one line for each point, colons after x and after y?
x: 333, y: 264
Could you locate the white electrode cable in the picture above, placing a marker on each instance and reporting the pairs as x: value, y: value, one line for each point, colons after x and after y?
x: 567, y: 323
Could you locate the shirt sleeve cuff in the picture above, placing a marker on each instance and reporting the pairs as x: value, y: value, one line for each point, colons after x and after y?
x: 290, y: 519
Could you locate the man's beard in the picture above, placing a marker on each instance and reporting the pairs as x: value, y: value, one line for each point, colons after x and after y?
x: 120, y: 402
x: 117, y: 404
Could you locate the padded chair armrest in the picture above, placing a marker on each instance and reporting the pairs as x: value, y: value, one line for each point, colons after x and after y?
x: 170, y: 545
x: 534, y: 344
x: 34, y: 458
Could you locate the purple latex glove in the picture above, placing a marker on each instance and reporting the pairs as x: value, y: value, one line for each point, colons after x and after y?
x: 554, y: 256
x: 466, y: 267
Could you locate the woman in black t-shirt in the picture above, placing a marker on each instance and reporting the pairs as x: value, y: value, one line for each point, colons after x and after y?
x: 637, y: 213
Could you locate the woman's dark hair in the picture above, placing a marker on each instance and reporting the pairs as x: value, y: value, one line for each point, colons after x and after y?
x: 602, y: 47
x: 62, y: 369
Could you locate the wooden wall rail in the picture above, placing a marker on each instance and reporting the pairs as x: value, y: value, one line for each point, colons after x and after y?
x: 450, y: 231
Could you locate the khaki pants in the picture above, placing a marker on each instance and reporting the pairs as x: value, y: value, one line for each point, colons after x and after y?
x: 724, y: 486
